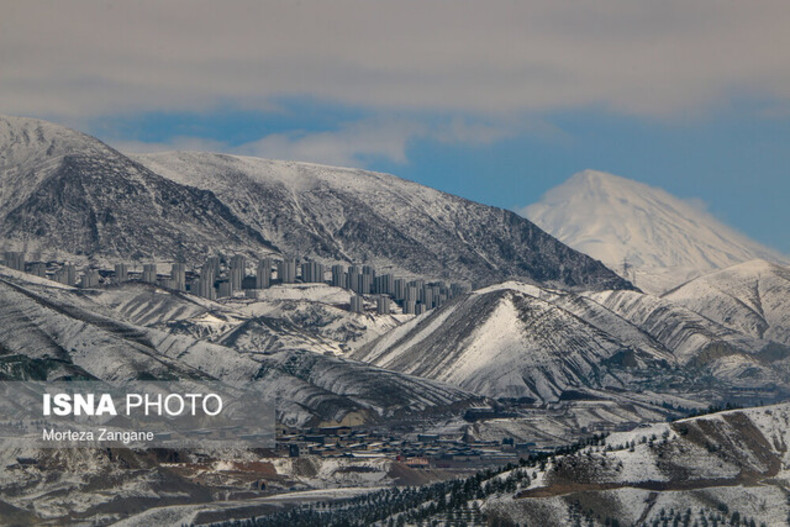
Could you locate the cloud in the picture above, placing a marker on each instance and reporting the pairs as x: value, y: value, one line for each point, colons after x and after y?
x: 87, y: 58
x: 352, y: 144
x: 176, y: 143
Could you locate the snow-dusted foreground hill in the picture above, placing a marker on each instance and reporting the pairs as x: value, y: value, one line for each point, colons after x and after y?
x: 725, y: 467
x: 664, y: 240
x: 729, y: 468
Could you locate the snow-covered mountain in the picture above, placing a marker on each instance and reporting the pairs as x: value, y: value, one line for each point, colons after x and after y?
x: 664, y: 240
x: 520, y: 341
x: 63, y: 191
x: 753, y: 298
x: 338, y: 214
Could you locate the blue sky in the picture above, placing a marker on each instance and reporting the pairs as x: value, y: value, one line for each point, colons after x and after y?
x: 495, y: 101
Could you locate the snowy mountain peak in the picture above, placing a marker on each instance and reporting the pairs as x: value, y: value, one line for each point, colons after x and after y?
x: 24, y: 139
x: 641, y: 231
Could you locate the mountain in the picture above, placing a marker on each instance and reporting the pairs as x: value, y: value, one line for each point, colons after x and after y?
x: 53, y: 332
x: 348, y: 215
x: 515, y: 340
x: 66, y: 191
x: 753, y: 298
x: 664, y: 240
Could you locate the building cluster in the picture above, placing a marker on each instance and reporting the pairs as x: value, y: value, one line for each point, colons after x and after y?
x: 419, y: 451
x: 222, y: 278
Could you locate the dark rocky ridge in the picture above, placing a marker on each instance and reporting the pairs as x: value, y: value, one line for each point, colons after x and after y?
x: 337, y: 214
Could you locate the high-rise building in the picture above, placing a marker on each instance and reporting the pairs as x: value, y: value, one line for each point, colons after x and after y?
x: 70, y: 274
x: 411, y: 294
x: 149, y: 273
x: 59, y: 276
x: 383, y: 305
x: 38, y: 269
x: 121, y: 273
x: 409, y: 307
x: 178, y: 277
x: 238, y: 266
x: 286, y: 271
x: 90, y: 278
x: 437, y: 291
x: 339, y: 277
x: 399, y: 289
x: 312, y: 272
x: 225, y: 289
x: 205, y: 286
x: 211, y: 266
x: 384, y: 284
x: 354, y: 279
x: 427, y: 297
x: 263, y: 274
x: 357, y: 305
x: 364, y: 284
x: 419, y: 285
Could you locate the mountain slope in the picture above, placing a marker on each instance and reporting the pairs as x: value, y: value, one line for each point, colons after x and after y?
x: 728, y: 468
x: 753, y: 298
x: 51, y: 335
x: 516, y: 340
x: 665, y: 240
x: 336, y: 214
x: 66, y: 191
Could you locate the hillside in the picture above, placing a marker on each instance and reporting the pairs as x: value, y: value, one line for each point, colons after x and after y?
x: 348, y: 215
x: 753, y: 298
x: 520, y: 341
x: 56, y: 333
x: 67, y: 192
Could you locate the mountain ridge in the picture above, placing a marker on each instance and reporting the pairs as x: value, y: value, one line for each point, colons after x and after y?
x: 516, y: 340
x: 331, y: 214
x: 66, y: 191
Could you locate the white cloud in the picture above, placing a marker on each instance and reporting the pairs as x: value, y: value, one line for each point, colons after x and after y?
x: 353, y: 144
x: 176, y: 143
x: 347, y: 146
x: 83, y: 57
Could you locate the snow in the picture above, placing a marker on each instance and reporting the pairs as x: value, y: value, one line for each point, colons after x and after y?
x: 667, y: 240
x: 752, y: 298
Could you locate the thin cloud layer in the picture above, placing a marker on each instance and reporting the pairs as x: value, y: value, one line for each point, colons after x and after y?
x: 81, y: 58
x: 352, y: 144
